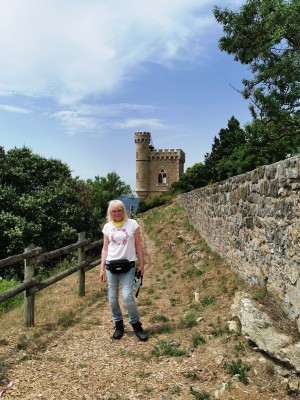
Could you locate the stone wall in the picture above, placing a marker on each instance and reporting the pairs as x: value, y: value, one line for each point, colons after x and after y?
x: 253, y: 222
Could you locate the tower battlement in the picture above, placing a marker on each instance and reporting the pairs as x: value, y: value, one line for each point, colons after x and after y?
x: 167, y: 154
x: 156, y: 169
x: 142, y: 137
x: 140, y: 133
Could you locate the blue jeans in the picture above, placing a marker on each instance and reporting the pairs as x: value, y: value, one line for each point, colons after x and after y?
x: 113, y: 282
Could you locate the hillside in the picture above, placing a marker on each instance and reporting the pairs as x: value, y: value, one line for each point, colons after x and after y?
x: 190, y: 354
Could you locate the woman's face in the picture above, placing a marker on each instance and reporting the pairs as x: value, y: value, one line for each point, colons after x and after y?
x: 117, y: 214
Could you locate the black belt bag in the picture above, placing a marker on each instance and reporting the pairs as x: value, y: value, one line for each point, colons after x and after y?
x: 119, y: 266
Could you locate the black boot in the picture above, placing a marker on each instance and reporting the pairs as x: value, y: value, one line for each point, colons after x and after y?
x: 119, y: 330
x: 139, y: 331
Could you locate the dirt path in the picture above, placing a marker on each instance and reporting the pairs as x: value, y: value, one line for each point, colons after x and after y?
x: 84, y: 362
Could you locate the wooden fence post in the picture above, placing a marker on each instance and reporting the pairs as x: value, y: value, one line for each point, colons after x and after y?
x: 29, y: 272
x: 81, y: 273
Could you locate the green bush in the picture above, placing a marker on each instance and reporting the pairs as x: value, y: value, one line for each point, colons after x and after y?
x: 152, y: 202
x: 9, y: 304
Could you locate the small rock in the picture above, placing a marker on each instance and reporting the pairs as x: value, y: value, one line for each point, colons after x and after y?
x: 233, y: 326
x: 219, y: 359
x: 293, y: 386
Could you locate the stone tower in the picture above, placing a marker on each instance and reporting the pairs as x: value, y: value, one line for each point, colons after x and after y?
x: 156, y: 170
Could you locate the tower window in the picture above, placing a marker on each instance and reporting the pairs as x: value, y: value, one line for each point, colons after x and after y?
x: 162, y: 177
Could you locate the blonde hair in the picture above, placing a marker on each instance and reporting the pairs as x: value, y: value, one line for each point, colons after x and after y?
x: 113, y: 204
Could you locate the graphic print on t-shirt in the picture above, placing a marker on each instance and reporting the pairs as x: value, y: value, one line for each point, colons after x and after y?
x: 119, y: 236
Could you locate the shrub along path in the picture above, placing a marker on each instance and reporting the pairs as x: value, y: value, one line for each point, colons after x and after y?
x: 190, y: 354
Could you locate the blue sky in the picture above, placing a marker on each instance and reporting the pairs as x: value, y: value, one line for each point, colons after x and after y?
x: 79, y: 77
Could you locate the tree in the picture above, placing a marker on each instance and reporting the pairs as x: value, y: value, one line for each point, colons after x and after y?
x: 265, y: 35
x: 193, y: 178
x: 105, y: 189
x: 222, y: 162
x: 40, y: 203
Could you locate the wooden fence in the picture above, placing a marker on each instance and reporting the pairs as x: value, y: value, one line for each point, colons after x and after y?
x: 33, y: 283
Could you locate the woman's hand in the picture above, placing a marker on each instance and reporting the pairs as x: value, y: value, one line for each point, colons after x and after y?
x: 141, y: 269
x: 102, y: 276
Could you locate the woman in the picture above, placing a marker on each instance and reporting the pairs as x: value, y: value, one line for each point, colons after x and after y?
x: 121, y: 241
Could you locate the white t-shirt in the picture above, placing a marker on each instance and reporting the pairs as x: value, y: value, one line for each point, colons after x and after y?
x: 121, y: 240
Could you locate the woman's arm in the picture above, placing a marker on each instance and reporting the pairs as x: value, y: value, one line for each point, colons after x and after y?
x: 139, y: 250
x: 102, y: 276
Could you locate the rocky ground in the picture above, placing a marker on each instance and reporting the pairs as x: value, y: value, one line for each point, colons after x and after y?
x: 185, y: 305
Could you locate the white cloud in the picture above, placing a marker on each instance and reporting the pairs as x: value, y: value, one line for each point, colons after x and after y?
x: 72, y: 49
x: 17, y: 110
x: 140, y: 124
x: 90, y: 118
x: 75, y: 122
x: 111, y: 110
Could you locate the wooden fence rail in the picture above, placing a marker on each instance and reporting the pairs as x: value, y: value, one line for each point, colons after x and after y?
x: 34, y: 283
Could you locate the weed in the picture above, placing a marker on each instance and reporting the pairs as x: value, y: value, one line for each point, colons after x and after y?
x: 174, y: 301
x: 23, y: 343
x: 145, y: 301
x: 188, y: 321
x: 127, y: 353
x: 191, y: 375
x: 169, y: 254
x: 2, y: 371
x: 204, y: 247
x: 122, y: 353
x: 197, y: 340
x: 192, y: 271
x: 159, y: 318
x: 147, y: 389
x: 164, y: 328
x: 167, y: 265
x: 199, y: 395
x: 206, y: 301
x: 228, y: 386
x: 239, y: 369
x: 267, y: 325
x: 272, y: 387
x: 176, y: 389
x: 68, y: 319
x: 166, y: 284
x: 143, y: 312
x: 165, y: 348
x: 150, y: 290
x: 270, y: 369
x: 142, y: 374
x: 205, y: 284
x: 219, y: 330
x: 260, y: 294
x: 196, y: 307
x: 239, y: 347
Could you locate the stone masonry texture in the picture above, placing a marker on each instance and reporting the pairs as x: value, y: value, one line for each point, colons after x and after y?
x: 253, y: 222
